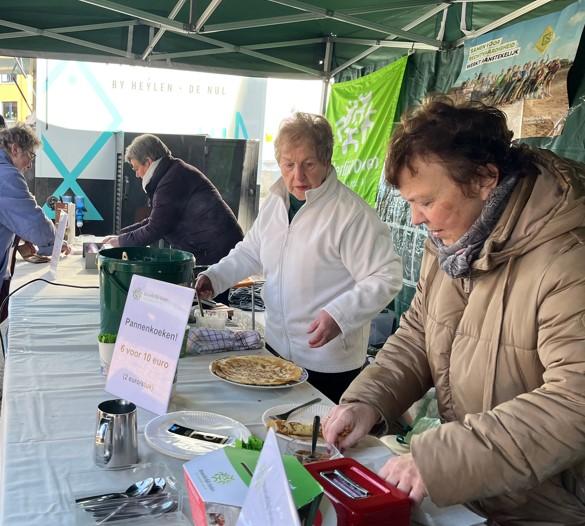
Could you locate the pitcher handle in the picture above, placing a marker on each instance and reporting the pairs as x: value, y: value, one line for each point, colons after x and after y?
x: 103, y: 441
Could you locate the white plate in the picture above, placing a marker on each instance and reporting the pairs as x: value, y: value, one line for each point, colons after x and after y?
x: 304, y: 415
x: 159, y: 437
x: 302, y: 379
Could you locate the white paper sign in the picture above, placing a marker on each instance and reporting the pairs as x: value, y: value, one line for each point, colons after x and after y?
x: 149, y: 342
x: 269, y: 501
x: 58, y: 243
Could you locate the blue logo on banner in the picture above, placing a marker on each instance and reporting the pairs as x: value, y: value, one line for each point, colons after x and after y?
x: 70, y: 176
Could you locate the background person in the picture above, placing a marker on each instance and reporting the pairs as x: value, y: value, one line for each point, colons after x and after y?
x: 497, y: 323
x: 187, y: 210
x: 326, y: 256
x: 19, y: 213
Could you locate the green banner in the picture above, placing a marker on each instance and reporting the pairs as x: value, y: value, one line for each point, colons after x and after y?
x: 361, y: 113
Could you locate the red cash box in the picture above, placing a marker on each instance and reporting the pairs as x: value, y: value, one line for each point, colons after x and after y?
x: 359, y: 496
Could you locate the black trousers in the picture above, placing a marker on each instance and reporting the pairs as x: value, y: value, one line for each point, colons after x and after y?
x: 332, y: 385
x: 4, y: 291
x: 5, y: 288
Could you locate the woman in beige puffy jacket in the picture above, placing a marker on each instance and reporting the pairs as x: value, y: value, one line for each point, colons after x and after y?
x: 497, y: 324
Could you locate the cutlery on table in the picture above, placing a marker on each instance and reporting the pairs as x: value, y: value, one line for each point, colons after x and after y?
x: 141, y: 488
x: 286, y: 414
x: 129, y: 510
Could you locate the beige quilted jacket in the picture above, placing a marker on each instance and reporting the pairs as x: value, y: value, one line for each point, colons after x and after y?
x: 505, y: 349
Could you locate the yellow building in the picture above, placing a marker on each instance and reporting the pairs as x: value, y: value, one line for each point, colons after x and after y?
x: 16, y: 88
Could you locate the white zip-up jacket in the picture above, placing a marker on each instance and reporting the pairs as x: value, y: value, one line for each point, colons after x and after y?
x: 336, y: 255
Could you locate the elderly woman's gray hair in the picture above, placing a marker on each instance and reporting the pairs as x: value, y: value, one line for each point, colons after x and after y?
x: 146, y: 147
x: 306, y: 127
x: 22, y: 135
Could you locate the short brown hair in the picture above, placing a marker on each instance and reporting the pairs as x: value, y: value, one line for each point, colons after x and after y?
x: 22, y: 135
x: 314, y: 129
x: 464, y: 136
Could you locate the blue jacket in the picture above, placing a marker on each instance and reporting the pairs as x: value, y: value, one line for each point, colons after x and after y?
x: 20, y: 215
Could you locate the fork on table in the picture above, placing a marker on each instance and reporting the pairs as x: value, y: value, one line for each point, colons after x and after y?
x: 286, y: 414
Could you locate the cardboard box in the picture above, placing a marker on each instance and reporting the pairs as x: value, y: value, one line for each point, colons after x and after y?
x: 217, y: 484
x: 90, y: 253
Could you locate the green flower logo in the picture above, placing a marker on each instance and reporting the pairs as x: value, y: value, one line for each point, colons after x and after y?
x: 137, y: 294
x: 221, y: 477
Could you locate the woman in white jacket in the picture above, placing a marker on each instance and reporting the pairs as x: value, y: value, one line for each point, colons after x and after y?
x: 327, y: 259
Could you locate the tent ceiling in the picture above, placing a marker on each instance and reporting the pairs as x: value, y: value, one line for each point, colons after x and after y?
x: 286, y: 38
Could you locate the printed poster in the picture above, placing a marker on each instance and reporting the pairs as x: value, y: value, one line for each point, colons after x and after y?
x: 523, y: 70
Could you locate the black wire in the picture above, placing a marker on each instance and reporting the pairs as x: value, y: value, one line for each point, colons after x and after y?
x: 28, y: 283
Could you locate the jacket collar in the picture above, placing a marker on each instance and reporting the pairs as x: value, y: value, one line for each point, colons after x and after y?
x: 279, y: 188
x: 149, y: 173
x: 4, y: 157
x: 159, y: 172
x: 540, y: 209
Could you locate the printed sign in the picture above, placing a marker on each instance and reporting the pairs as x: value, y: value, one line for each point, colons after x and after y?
x: 522, y: 69
x: 149, y: 342
x: 58, y: 243
x: 269, y: 500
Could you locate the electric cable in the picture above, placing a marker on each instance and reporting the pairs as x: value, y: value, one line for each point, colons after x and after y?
x: 28, y: 283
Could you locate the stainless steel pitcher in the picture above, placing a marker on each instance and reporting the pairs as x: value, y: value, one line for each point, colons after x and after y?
x: 116, y: 435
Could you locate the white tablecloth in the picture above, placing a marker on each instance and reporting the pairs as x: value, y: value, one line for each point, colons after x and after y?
x: 52, y: 387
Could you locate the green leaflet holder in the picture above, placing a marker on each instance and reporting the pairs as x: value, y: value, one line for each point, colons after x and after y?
x: 118, y: 265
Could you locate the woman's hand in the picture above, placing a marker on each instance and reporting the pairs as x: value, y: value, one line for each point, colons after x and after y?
x: 402, y: 472
x: 347, y: 424
x: 111, y: 240
x: 324, y: 328
x: 65, y: 248
x: 26, y: 249
x: 203, y: 287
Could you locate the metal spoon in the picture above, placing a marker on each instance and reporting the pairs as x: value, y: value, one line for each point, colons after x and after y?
x: 131, y: 510
x: 138, y: 489
x: 160, y: 484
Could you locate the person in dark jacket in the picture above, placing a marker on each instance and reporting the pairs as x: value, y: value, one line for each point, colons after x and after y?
x: 188, y: 212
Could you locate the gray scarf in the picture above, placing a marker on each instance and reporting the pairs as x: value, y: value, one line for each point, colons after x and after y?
x: 456, y: 259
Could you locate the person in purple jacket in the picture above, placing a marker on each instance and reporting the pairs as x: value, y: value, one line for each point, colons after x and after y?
x: 187, y: 211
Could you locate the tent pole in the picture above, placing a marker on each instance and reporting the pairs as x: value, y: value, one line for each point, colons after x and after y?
x: 327, y: 74
x: 324, y: 90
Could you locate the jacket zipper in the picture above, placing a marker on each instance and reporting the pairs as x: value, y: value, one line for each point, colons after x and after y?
x: 282, y: 253
x: 281, y: 265
x: 467, y: 285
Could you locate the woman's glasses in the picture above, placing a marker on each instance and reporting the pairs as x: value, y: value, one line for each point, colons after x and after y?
x: 31, y: 155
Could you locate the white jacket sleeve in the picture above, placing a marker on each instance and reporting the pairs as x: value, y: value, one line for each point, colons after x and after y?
x: 367, y: 253
x: 242, y: 261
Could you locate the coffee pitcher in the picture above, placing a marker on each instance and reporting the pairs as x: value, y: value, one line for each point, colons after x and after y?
x: 116, y: 435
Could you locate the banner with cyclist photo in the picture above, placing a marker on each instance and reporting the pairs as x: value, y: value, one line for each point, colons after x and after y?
x: 361, y: 113
x: 523, y: 70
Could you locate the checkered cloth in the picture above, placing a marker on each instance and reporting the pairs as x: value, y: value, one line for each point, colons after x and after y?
x: 204, y: 341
